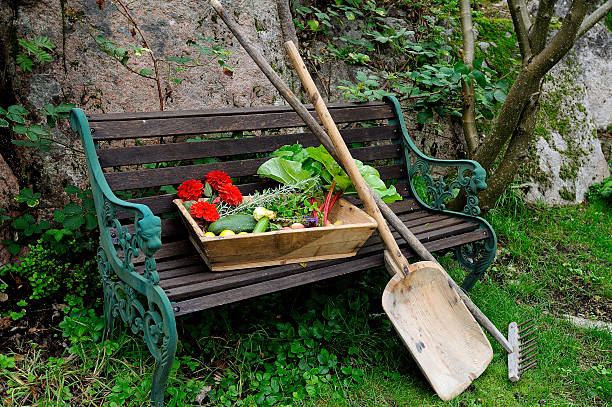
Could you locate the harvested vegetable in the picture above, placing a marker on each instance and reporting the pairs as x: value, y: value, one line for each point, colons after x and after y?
x: 262, y: 225
x: 236, y: 223
x: 261, y: 212
x: 227, y: 233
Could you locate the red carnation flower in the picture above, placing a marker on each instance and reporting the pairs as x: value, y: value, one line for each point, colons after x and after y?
x: 218, y: 178
x: 204, y: 210
x: 190, y: 190
x: 230, y: 194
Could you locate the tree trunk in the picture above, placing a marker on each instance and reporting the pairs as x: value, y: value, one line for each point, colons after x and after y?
x: 468, y: 112
x: 286, y: 21
x: 508, y: 119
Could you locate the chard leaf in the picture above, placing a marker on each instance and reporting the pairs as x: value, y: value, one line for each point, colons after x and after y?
x: 284, y: 171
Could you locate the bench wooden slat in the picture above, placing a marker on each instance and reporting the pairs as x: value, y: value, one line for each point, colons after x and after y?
x: 293, y: 278
x: 169, y: 114
x: 198, y: 284
x: 187, y: 306
x: 411, y: 220
x: 126, y: 129
x: 171, y: 266
x: 111, y: 157
x: 197, y: 273
x: 254, y: 290
x: 119, y: 181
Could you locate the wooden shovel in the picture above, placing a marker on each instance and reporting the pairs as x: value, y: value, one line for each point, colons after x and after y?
x: 432, y: 321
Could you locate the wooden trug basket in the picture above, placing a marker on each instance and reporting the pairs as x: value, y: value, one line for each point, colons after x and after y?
x: 221, y: 253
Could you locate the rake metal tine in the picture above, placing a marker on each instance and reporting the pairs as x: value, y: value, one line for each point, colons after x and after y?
x: 524, y: 323
x: 524, y: 337
x: 529, y: 366
x: 526, y: 344
x: 528, y: 350
x: 529, y: 330
x: 523, y: 361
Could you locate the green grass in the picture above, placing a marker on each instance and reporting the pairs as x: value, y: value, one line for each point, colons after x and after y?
x: 331, y: 344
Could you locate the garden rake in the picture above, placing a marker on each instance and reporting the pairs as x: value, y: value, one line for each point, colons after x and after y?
x: 520, y: 345
x: 524, y: 349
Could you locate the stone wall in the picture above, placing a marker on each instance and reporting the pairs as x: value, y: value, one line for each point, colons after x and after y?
x: 83, y: 74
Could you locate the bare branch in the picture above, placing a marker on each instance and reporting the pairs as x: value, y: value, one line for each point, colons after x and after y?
x: 516, y: 7
x: 594, y: 17
x: 125, y: 11
x: 562, y: 42
x: 468, y: 113
x: 524, y: 14
x: 539, y: 29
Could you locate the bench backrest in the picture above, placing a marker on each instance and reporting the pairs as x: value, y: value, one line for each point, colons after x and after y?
x: 141, y: 152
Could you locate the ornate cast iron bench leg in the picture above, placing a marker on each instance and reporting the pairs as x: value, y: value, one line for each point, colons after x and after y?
x: 105, y: 274
x: 476, y: 257
x: 125, y: 289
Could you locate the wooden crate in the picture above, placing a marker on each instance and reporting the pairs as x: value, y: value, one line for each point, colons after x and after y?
x: 283, y: 246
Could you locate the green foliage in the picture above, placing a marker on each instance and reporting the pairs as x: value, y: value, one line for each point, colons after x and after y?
x: 50, y: 273
x: 601, y: 190
x: 295, y: 357
x: 118, y: 53
x: 608, y: 21
x: 82, y: 326
x: 502, y: 52
x: 293, y: 163
x: 430, y: 76
x: 7, y: 362
x: 38, y: 48
x: 211, y: 48
x: 206, y: 47
x: 36, y: 135
x: 367, y: 88
x: 76, y: 220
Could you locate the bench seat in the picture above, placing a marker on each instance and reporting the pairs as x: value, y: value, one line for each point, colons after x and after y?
x: 191, y: 287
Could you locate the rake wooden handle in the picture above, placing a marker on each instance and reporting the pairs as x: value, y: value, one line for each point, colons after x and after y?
x: 316, y: 129
x: 364, y: 192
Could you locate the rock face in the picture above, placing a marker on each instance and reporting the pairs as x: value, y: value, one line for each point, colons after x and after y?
x: 576, y: 102
x: 568, y: 156
x: 88, y: 68
x: 99, y: 65
x: 9, y: 187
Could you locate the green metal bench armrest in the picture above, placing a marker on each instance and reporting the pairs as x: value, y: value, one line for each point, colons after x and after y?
x: 147, y: 227
x: 470, y: 174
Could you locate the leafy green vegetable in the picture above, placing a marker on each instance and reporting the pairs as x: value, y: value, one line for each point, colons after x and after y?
x: 284, y: 171
x: 292, y: 163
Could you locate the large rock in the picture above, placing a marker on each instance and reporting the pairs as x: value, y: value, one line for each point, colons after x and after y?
x: 568, y: 156
x: 82, y: 73
x: 576, y: 102
x: 9, y: 187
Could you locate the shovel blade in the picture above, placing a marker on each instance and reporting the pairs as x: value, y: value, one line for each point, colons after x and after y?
x: 435, y: 325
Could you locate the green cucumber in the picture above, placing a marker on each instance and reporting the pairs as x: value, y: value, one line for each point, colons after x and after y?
x: 262, y: 225
x: 236, y: 223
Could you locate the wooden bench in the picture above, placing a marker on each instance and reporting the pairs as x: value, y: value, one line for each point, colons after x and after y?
x: 135, y: 155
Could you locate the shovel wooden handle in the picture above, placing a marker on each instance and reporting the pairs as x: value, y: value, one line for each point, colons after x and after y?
x: 316, y: 129
x: 364, y: 192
